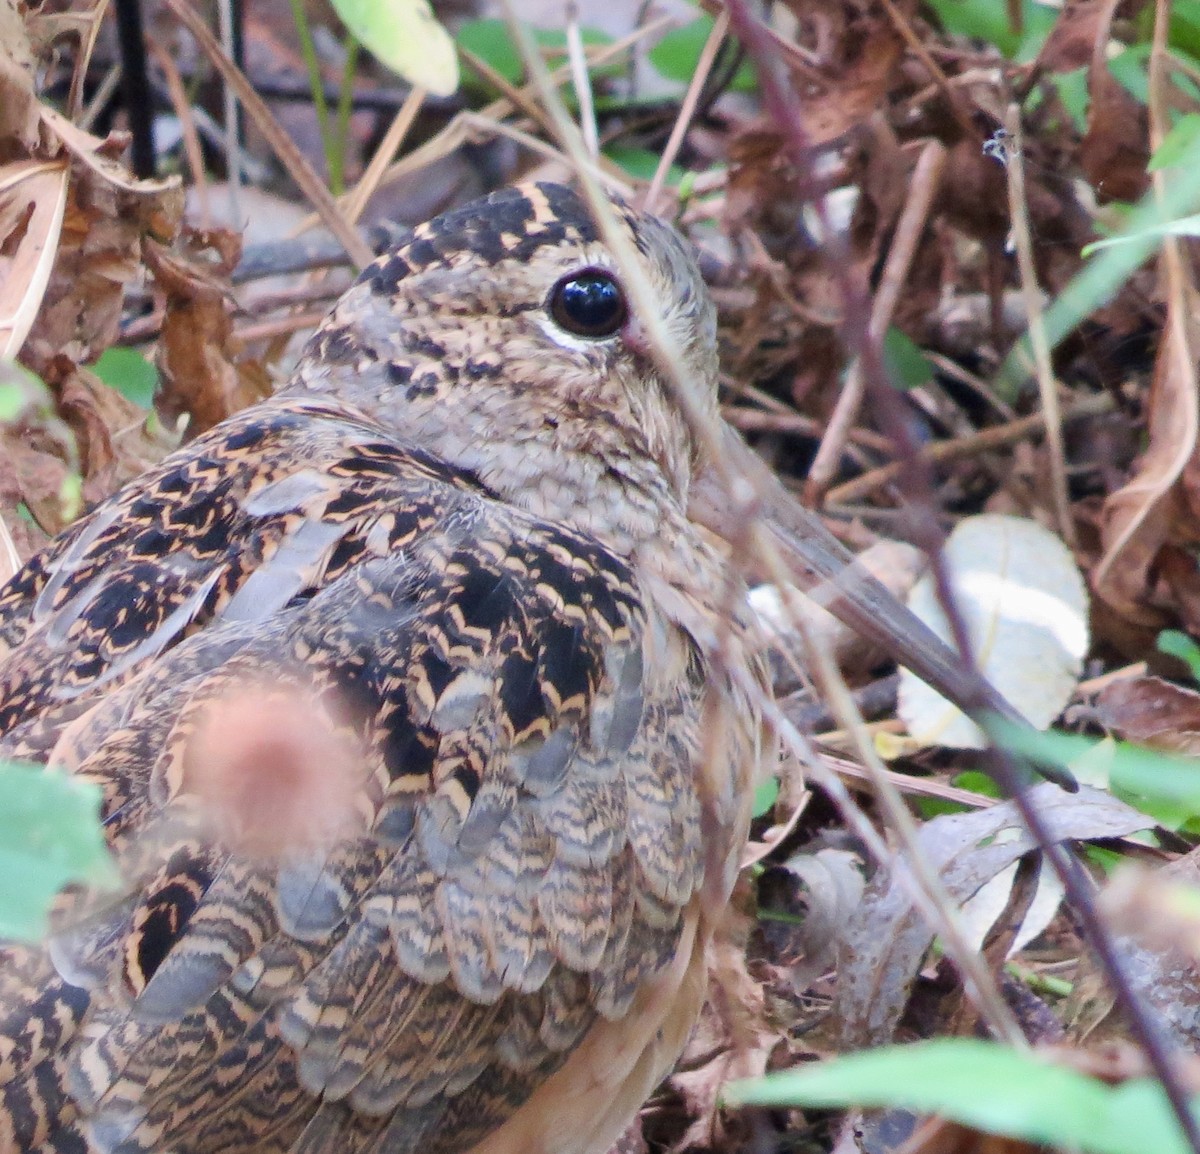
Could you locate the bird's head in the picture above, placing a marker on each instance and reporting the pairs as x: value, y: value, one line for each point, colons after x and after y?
x: 501, y: 337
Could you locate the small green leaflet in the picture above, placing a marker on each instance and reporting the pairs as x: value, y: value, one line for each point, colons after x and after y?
x: 676, y: 55
x: 50, y: 835
x: 405, y: 36
x: 1181, y: 646
x: 491, y: 40
x: 766, y: 793
x: 127, y: 371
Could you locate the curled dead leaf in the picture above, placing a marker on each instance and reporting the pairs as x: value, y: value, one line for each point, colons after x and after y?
x: 1115, y: 148
x: 1143, y: 516
x: 204, y: 373
x: 116, y: 440
x: 822, y: 890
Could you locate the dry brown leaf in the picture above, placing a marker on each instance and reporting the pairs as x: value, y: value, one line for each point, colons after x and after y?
x: 33, y: 198
x: 1154, y: 712
x: 1153, y: 913
x: 1115, y: 148
x: 1139, y: 518
x: 39, y: 460
x: 733, y: 1039
x: 937, y: 1136
x: 204, y: 374
x: 116, y: 441
x: 885, y: 942
x: 108, y: 215
x: 1072, y: 41
x: 82, y: 25
x: 856, y: 84
x: 18, y: 100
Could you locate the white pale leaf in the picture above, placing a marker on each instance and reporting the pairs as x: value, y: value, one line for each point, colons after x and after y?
x: 406, y: 36
x: 981, y: 911
x: 1025, y: 607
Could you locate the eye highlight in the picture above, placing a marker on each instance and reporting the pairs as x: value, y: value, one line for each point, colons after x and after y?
x: 588, y: 304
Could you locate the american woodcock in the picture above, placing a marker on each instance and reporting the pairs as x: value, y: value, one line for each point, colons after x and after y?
x: 426, y: 718
x: 449, y: 568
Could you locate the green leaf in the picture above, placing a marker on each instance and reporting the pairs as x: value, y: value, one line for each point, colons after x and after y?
x: 1176, y: 644
x: 1129, y: 69
x: 1184, y: 28
x: 127, y: 371
x: 491, y: 41
x: 676, y: 55
x: 988, y: 20
x: 404, y: 36
x: 765, y: 794
x: 988, y: 1087
x: 50, y: 835
x: 1072, y: 89
x: 1103, y: 276
x: 907, y: 366
x: 12, y: 401
x: 1163, y: 785
x: 1180, y: 138
x: 641, y: 163
x: 23, y: 392
x: 1181, y: 226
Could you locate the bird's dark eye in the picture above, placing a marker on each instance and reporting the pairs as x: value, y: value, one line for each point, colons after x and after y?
x: 588, y: 304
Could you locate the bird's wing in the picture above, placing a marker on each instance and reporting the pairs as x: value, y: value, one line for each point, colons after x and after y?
x: 269, y: 507
x: 513, y: 726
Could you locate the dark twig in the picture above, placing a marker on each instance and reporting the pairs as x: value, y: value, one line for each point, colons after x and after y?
x: 916, y: 482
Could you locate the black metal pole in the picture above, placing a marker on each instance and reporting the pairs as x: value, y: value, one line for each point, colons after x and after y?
x: 135, y: 83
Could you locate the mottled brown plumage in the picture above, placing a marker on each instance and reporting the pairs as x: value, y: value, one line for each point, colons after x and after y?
x: 458, y: 540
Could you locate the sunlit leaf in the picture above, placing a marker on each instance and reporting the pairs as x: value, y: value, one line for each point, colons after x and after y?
x: 1023, y: 602
x: 1176, y: 144
x: 405, y: 36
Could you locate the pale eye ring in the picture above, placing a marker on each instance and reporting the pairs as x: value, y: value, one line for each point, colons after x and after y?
x: 589, y: 303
